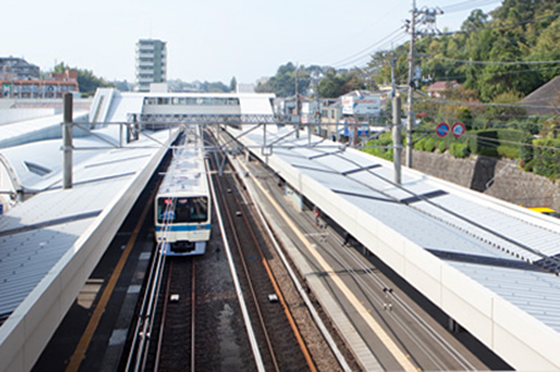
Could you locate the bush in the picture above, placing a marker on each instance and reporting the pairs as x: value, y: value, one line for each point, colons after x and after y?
x: 425, y: 144
x: 441, y: 146
x: 509, y: 143
x: 545, y: 158
x: 459, y: 150
x: 381, y: 147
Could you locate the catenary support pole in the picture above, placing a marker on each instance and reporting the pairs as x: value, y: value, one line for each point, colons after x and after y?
x: 298, y: 117
x: 67, y: 142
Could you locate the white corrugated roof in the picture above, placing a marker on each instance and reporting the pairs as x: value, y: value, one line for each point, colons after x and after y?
x: 35, y: 129
x: 483, y: 237
x: 35, y: 234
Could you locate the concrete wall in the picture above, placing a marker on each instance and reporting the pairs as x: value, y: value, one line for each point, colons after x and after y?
x: 502, y: 179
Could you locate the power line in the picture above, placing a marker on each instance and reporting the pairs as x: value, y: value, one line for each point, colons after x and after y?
x: 495, y: 142
x: 365, y: 50
x: 491, y: 62
x: 362, y: 31
x: 481, y: 73
x: 364, y: 59
x: 501, y: 26
x: 466, y: 5
x: 481, y: 104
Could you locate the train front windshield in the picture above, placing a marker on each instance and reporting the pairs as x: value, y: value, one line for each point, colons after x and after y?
x: 182, y: 210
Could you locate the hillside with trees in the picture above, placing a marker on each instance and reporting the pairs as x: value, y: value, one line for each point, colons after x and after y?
x: 497, y: 59
x: 332, y: 83
x: 87, y: 81
x: 492, y: 54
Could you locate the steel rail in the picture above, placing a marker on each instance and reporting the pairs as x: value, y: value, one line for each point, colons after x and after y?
x: 163, y: 318
x: 144, y: 325
x: 402, y: 323
x: 249, y: 327
x: 278, y: 291
x: 193, y: 317
x: 451, y: 351
x: 252, y: 291
x: 317, y: 319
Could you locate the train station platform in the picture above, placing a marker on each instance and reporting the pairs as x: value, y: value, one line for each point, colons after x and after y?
x: 492, y: 267
x: 51, y: 242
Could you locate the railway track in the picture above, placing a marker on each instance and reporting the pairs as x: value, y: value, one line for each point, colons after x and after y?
x: 166, y: 340
x: 163, y: 336
x: 176, y: 345
x: 146, y: 322
x: 279, y: 340
x: 420, y: 338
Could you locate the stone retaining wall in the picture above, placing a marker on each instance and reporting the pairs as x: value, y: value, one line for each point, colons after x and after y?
x: 502, y: 179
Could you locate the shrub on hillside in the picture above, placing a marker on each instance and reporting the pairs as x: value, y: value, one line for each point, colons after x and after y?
x: 441, y: 146
x: 545, y: 158
x: 381, y: 147
x: 425, y: 144
x: 509, y: 143
x: 459, y: 150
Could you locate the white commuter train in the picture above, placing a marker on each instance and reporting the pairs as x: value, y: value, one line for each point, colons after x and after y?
x: 183, y: 206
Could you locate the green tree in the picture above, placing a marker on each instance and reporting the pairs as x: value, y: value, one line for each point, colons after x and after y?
x: 547, y: 49
x: 475, y: 21
x: 264, y: 86
x: 214, y: 87
x: 283, y: 84
x: 233, y: 84
x: 331, y: 85
x: 336, y: 84
x: 504, y: 108
x: 87, y: 81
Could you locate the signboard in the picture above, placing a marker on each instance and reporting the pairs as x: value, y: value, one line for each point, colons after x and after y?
x: 442, y: 129
x: 6, y: 88
x: 458, y: 129
x: 361, y: 105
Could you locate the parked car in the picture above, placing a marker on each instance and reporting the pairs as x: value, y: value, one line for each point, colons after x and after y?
x: 546, y: 210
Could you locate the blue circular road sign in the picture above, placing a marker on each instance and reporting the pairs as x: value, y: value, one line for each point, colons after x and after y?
x: 442, y: 129
x: 458, y: 129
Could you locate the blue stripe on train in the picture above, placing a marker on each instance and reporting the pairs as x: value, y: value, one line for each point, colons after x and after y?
x: 184, y: 227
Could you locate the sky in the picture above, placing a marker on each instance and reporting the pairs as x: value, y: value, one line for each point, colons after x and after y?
x: 212, y: 40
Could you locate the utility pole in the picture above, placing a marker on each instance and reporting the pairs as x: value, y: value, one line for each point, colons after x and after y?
x: 393, y: 83
x: 298, y: 118
x: 397, y: 140
x: 318, y: 112
x: 427, y: 18
x: 410, y: 121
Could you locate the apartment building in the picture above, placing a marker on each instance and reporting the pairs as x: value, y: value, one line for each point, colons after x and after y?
x: 151, y: 63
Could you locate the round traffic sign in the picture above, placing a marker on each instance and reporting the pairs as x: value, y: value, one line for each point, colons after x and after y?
x: 458, y: 129
x: 442, y: 129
